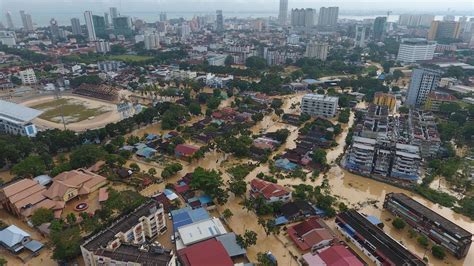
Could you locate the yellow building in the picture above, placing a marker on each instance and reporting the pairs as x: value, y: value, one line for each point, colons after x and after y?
x: 385, y: 99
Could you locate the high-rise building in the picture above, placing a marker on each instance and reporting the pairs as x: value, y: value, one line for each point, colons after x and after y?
x: 102, y: 46
x: 107, y: 20
x: 99, y: 25
x: 54, y: 29
x: 185, y: 30
x: 411, y: 20
x: 10, y: 24
x: 7, y: 38
x: 90, y: 26
x: 444, y: 30
x: 76, y: 26
x: 423, y: 81
x: 113, y: 12
x: 361, y: 36
x: 219, y: 21
x: 416, y: 49
x: 27, y: 21
x: 328, y: 16
x: 152, y: 41
x: 317, y: 50
x: 304, y: 17
x: 380, y: 25
x: 283, y: 12
x: 449, y: 18
x: 122, y: 25
x: 163, y: 16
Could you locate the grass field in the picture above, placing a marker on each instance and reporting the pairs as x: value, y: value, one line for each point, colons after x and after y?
x: 130, y: 58
x: 72, y: 109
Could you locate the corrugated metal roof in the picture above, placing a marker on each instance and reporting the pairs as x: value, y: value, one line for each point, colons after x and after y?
x: 18, y: 112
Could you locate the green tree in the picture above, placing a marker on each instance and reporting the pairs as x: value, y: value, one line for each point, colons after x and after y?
x: 86, y: 155
x: 423, y: 241
x: 41, y: 216
x: 211, y: 183
x: 398, y: 223
x: 194, y: 108
x: 403, y: 109
x: 248, y: 239
x: 229, y: 60
x: 134, y: 167
x: 31, y: 166
x: 257, y: 117
x: 152, y: 171
x: 66, y: 243
x: 256, y: 62
x: 71, y: 218
x: 237, y: 186
x: 227, y: 214
x: 438, y: 252
x: 319, y: 156
x: 3, y: 261
x: 264, y: 260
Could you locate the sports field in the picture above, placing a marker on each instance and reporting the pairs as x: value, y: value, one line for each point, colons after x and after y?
x: 73, y: 110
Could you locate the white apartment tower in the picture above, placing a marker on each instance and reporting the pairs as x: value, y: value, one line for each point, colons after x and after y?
x: 317, y: 50
x: 90, y: 26
x: 319, y: 105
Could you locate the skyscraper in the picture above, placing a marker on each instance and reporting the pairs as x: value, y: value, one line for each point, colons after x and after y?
x: 163, y: 16
x: 113, y: 13
x: 122, y: 25
x: 90, y: 26
x: 444, y: 30
x: 423, y: 81
x: 304, y: 17
x: 152, y: 41
x: 107, y: 19
x: 76, y: 26
x: 27, y: 21
x: 361, y: 36
x: 283, y: 13
x: 54, y: 29
x: 219, y: 21
x: 10, y: 24
x: 99, y: 25
x: 379, y: 28
x: 328, y: 16
x: 317, y: 50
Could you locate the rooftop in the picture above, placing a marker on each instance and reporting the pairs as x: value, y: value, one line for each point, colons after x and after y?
x: 433, y: 216
x: 201, y: 230
x: 17, y: 113
x: 319, y: 97
x: 209, y: 252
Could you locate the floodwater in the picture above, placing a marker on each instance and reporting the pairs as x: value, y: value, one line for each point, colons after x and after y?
x: 355, y: 191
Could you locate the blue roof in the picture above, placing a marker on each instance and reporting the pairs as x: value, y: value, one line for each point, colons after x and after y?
x: 374, y: 220
x: 146, y: 152
x: 33, y: 246
x: 205, y: 199
x: 310, y: 81
x: 281, y: 220
x: 151, y: 136
x: 12, y: 235
x: 187, y: 215
x: 285, y: 164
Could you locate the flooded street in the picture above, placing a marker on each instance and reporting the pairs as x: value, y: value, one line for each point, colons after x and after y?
x: 355, y: 191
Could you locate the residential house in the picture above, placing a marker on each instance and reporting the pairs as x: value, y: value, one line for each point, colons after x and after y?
x: 311, y: 235
x: 15, y: 240
x: 209, y: 252
x: 336, y: 255
x: 185, y: 150
x: 269, y: 191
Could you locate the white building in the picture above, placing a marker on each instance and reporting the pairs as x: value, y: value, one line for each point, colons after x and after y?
x: 361, y: 36
x: 199, y: 231
x: 317, y: 50
x: 8, y: 38
x: 90, y: 26
x: 152, y: 41
x: 328, y: 16
x: 107, y: 66
x: 16, y: 119
x: 217, y: 60
x: 423, y: 81
x: 416, y: 49
x: 28, y: 76
x: 102, y: 46
x: 319, y: 105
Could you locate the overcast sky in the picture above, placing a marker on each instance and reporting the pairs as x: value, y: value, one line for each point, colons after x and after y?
x: 234, y: 5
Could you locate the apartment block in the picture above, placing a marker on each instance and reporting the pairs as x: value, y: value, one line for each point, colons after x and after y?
x: 406, y: 162
x: 373, y: 241
x: 385, y: 99
x: 361, y: 156
x: 28, y: 76
x: 319, y: 105
x: 439, y: 229
x: 416, y: 49
x: 124, y: 242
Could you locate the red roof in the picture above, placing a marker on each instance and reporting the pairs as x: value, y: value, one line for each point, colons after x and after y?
x: 339, y: 256
x: 268, y: 189
x: 308, y: 233
x: 185, y: 149
x: 306, y: 226
x: 439, y: 96
x: 207, y: 253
